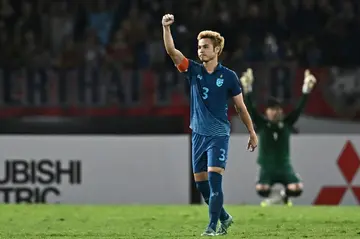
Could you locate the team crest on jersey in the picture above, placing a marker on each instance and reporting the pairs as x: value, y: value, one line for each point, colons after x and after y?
x: 219, y: 82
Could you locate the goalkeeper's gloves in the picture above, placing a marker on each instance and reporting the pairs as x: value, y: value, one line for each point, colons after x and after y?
x: 247, y: 80
x: 309, y: 82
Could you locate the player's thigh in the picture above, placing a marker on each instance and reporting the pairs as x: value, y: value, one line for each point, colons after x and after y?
x: 217, y: 153
x: 198, y: 154
x: 291, y: 179
x: 199, y: 166
x: 264, y: 179
x: 294, y: 181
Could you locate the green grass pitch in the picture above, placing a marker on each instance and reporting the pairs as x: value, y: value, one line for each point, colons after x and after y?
x: 161, y: 222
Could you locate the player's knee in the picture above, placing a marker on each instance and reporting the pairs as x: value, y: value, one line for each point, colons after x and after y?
x: 294, y: 190
x: 262, y: 187
x: 199, y: 177
x: 295, y: 186
x: 201, y: 181
x: 218, y: 170
x: 263, y: 190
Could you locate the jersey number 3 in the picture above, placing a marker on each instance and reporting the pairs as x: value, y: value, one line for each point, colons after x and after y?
x: 205, y: 93
x: 222, y: 155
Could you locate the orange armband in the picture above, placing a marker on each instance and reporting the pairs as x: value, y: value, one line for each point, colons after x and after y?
x: 184, y: 65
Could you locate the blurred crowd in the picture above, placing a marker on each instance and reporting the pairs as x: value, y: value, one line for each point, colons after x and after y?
x: 128, y: 33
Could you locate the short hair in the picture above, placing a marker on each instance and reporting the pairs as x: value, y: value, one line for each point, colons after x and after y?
x: 215, y: 37
x: 273, y: 102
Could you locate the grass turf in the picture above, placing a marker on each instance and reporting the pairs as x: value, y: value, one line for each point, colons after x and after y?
x: 85, y: 222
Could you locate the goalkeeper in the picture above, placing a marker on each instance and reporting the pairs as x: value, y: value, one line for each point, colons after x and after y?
x: 274, y: 145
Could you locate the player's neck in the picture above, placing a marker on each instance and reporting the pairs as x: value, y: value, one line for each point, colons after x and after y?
x: 211, y: 65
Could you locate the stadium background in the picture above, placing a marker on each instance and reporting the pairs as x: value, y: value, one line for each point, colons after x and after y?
x: 98, y: 68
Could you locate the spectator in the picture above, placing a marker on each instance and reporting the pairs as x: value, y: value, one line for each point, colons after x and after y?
x: 315, y: 33
x: 61, y: 25
x: 93, y: 50
x: 101, y: 20
x: 156, y: 50
x: 70, y: 56
x: 119, y: 53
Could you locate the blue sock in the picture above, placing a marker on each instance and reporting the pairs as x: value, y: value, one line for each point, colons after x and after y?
x: 204, y: 188
x: 216, y: 198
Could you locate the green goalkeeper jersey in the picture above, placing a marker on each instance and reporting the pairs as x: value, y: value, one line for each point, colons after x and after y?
x: 274, y: 137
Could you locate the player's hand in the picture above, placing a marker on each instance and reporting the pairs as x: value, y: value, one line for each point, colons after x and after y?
x: 247, y: 80
x: 250, y: 75
x: 167, y: 20
x: 309, y: 82
x: 253, y: 142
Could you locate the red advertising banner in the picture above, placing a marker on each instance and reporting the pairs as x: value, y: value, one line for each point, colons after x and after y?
x: 109, y: 92
x: 91, y: 92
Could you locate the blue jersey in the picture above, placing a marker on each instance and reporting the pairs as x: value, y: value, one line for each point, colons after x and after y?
x: 209, y: 98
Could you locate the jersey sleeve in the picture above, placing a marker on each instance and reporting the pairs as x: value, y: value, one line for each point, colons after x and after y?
x: 293, y: 116
x: 235, y: 87
x: 187, y: 67
x: 257, y: 117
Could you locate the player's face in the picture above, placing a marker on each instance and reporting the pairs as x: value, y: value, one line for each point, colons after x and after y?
x: 274, y: 114
x: 206, y: 51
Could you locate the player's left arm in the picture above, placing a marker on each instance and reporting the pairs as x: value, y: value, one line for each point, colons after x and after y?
x: 309, y: 83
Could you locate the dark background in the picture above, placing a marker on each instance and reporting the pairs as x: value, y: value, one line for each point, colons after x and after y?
x: 99, y: 67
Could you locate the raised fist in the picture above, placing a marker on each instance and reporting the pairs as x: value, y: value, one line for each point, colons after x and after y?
x: 167, y: 20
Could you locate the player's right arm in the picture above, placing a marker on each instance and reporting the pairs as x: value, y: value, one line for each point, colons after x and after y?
x: 246, y: 81
x: 309, y: 83
x: 180, y: 61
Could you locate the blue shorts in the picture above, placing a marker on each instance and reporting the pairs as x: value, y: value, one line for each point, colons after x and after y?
x: 209, y: 151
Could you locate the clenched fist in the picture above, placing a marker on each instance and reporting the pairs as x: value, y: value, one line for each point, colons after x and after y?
x: 167, y: 20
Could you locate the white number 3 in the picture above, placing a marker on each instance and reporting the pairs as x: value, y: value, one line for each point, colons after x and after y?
x: 222, y: 156
x: 205, y: 93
